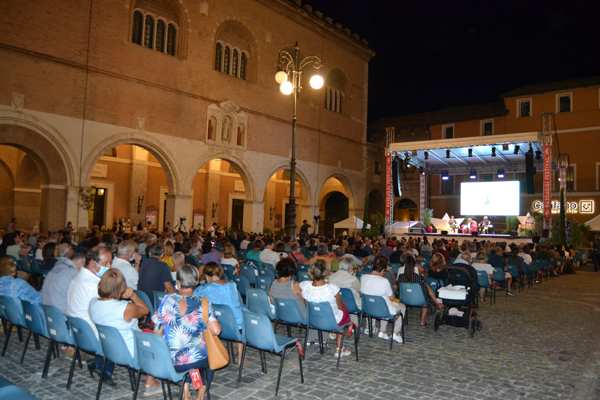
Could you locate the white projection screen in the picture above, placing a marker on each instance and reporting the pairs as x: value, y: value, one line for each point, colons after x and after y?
x: 490, y: 198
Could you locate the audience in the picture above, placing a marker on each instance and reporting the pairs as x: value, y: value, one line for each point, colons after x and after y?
x: 14, y: 287
x: 410, y: 276
x: 56, y: 283
x: 128, y: 262
x: 155, y: 275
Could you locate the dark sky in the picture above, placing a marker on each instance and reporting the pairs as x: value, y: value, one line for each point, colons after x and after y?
x: 434, y: 54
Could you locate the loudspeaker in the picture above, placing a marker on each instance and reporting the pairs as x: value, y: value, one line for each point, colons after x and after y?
x: 530, y: 172
x: 546, y: 233
x: 444, y: 232
x: 396, y: 177
x: 475, y: 233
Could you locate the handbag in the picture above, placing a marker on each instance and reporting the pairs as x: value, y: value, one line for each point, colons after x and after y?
x: 218, y: 357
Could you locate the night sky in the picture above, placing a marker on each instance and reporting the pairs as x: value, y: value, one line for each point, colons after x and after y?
x: 434, y: 54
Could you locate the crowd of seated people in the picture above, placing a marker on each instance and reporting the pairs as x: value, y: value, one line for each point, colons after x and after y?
x: 96, y: 278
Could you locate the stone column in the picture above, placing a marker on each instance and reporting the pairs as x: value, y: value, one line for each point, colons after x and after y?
x: 53, y: 208
x: 271, y: 201
x: 254, y: 216
x: 138, y: 183
x: 179, y: 206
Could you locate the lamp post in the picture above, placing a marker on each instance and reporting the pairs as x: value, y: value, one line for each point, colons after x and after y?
x: 290, y: 83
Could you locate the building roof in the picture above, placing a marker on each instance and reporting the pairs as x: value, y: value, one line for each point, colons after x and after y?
x: 446, y: 115
x: 553, y: 86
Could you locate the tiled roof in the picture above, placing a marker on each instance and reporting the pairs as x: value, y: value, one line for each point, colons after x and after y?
x: 553, y: 86
x: 447, y: 115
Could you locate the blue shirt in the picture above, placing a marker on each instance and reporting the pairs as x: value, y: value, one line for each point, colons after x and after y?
x: 19, y: 290
x: 497, y: 261
x: 225, y: 294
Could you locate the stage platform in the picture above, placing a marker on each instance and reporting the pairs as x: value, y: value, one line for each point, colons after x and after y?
x: 462, y: 236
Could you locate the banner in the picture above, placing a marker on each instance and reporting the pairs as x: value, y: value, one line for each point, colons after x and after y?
x: 547, y: 182
x: 388, y: 186
x: 422, y: 195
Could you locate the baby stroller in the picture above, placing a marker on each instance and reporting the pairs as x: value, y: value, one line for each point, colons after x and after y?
x: 460, y: 293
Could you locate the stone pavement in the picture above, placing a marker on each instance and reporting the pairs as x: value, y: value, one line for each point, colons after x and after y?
x: 541, y: 344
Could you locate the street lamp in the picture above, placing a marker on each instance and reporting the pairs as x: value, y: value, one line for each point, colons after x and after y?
x: 289, y: 81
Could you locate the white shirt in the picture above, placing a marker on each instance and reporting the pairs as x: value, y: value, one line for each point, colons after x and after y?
x: 244, y: 244
x: 526, y: 257
x: 484, y: 267
x: 374, y: 285
x: 269, y: 256
x: 82, y: 289
x: 129, y: 272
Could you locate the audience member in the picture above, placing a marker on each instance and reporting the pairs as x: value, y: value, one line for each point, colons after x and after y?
x: 126, y: 255
x: 155, y: 275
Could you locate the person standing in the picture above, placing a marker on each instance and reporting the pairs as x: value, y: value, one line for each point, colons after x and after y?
x: 304, y: 229
x: 596, y: 252
x: 12, y: 226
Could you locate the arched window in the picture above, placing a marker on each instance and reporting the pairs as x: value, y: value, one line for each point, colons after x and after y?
x: 226, y: 59
x: 149, y: 32
x: 234, y: 64
x: 243, y: 66
x: 160, y: 36
x: 171, y: 39
x: 138, y: 24
x: 218, y: 56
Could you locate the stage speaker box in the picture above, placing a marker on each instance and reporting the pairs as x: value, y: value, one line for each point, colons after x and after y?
x: 514, y: 234
x: 546, y: 233
x: 396, y: 177
x: 444, y: 232
x: 474, y: 233
x: 530, y: 172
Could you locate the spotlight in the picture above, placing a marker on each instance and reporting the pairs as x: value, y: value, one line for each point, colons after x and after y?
x: 414, y: 153
x: 470, y: 152
x: 473, y: 174
x: 517, y: 148
x: 493, y: 152
x: 447, y: 153
x: 426, y: 155
x: 445, y: 176
x: 504, y: 147
x: 538, y: 155
x: 422, y: 170
x: 501, y: 173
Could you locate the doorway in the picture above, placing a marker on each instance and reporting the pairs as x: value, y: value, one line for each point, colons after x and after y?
x: 98, y: 201
x: 237, y: 214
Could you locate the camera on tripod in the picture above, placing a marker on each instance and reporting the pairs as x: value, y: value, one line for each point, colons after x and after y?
x: 181, y: 219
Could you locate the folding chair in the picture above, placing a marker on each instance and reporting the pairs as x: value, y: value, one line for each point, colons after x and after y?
x: 289, y: 314
x: 15, y: 318
x: 411, y: 295
x: 376, y: 307
x: 36, y: 325
x: 229, y: 328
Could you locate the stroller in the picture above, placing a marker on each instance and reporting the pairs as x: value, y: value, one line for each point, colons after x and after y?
x: 465, y: 301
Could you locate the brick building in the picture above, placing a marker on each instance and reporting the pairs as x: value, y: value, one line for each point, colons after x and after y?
x: 170, y: 109
x: 575, y: 128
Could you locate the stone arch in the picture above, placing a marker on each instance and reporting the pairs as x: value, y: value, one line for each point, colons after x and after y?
x: 154, y: 147
x: 376, y: 202
x: 345, y: 183
x: 239, y: 165
x: 38, y: 138
x: 237, y: 27
x: 285, y: 165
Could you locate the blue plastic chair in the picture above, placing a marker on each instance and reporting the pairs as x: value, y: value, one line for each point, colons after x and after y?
x: 24, y: 263
x: 289, y: 314
x: 15, y: 318
x: 59, y: 332
x: 483, y: 280
x: 34, y: 265
x: 229, y: 329
x: 302, y: 276
x: 115, y: 349
x: 514, y: 273
x: 155, y: 360
x: 85, y: 337
x: 499, y: 277
x: 411, y: 295
x: 10, y: 392
x: 270, y: 267
x: 158, y: 296
x: 254, y: 263
x: 259, y: 334
x: 302, y: 267
x: 36, y: 325
x: 320, y: 317
x: 228, y: 270
x: 367, y: 268
x: 434, y: 283
x: 242, y: 285
x: 247, y: 271
x: 266, y: 273
x: 350, y: 301
x: 395, y: 268
x: 144, y: 297
x: 196, y: 261
x: 263, y: 282
x: 375, y: 307
x: 257, y: 301
x: 4, y: 319
x: 242, y: 254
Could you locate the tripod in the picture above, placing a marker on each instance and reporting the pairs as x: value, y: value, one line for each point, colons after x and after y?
x: 181, y: 226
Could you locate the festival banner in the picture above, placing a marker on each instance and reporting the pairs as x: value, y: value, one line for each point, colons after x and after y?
x: 422, y: 195
x: 388, y: 186
x: 547, y: 182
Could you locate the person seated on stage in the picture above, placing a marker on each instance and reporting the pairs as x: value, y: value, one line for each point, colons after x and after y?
x: 452, y: 225
x: 484, y: 225
x: 473, y: 226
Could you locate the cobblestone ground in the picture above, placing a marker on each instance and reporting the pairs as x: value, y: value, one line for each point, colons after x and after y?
x: 541, y: 344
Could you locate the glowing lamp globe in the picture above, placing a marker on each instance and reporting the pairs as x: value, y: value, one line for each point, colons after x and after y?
x: 280, y: 77
x: 316, y: 82
x: 286, y: 88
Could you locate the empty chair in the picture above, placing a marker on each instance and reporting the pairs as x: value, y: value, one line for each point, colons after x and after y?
x: 35, y: 323
x: 499, y: 277
x: 158, y: 297
x: 288, y: 313
x: 59, y: 332
x: 263, y: 282
x: 144, y: 297
x: 257, y: 301
x: 321, y: 317
x: 229, y: 328
x: 247, y: 271
x: 115, y: 350
x: 15, y: 318
x: 85, y: 338
x: 259, y: 334
x: 376, y: 307
x: 154, y: 359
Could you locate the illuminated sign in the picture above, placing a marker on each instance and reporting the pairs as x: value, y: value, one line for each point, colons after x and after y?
x: 584, y: 206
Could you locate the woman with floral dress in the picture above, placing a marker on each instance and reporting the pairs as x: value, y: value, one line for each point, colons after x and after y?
x: 179, y: 320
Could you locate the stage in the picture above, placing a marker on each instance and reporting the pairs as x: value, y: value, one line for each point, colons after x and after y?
x: 460, y: 237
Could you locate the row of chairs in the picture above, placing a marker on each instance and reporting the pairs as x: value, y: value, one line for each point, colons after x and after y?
x: 78, y: 333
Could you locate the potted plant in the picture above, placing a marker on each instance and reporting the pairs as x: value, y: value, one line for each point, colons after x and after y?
x: 427, y: 215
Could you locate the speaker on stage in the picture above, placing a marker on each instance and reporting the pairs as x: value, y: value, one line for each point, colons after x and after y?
x: 396, y: 177
x: 474, y: 233
x: 546, y: 233
x: 444, y: 232
x: 530, y: 172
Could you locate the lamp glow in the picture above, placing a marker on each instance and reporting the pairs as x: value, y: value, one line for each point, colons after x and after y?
x: 316, y: 82
x: 280, y: 77
x: 286, y: 88
x: 445, y: 176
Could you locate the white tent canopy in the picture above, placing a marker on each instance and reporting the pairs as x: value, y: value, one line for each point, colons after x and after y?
x: 594, y: 223
x: 351, y: 223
